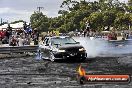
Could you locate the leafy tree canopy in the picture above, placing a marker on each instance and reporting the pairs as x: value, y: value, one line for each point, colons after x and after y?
x: 74, y: 15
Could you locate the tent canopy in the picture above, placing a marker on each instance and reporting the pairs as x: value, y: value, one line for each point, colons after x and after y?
x: 14, y: 26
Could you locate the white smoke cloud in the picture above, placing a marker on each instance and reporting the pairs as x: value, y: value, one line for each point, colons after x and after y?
x: 98, y: 47
x: 93, y: 47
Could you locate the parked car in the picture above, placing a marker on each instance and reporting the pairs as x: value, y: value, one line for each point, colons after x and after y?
x: 62, y: 47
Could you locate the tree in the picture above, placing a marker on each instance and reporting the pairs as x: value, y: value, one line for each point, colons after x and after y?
x: 75, y: 14
x: 39, y: 21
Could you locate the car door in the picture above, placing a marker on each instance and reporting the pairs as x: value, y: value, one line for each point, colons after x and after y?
x: 46, y: 48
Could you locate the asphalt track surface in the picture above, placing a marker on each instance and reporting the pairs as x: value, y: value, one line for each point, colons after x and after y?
x: 30, y: 72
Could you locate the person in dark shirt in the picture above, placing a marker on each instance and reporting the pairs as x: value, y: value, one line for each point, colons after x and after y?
x: 36, y: 36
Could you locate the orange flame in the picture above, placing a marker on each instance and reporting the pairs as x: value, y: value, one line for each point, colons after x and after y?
x: 81, y: 71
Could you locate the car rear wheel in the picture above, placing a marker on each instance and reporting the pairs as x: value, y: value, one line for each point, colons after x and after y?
x: 82, y: 59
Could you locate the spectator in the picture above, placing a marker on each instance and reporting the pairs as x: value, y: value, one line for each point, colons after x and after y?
x: 9, y: 29
x: 36, y: 36
x: 85, y: 32
x: 20, y: 41
x: 27, y: 40
x: 24, y: 26
x: 13, y: 41
x: 109, y: 36
x: 2, y: 34
x: 0, y: 40
x: 5, y: 40
x: 7, y: 34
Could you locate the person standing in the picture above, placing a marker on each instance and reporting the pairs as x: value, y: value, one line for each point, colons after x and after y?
x: 88, y: 28
x: 36, y: 36
x: 0, y: 40
x: 85, y: 32
x: 9, y: 34
x: 13, y: 41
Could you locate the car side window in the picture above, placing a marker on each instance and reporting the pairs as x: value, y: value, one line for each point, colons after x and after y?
x: 47, y: 41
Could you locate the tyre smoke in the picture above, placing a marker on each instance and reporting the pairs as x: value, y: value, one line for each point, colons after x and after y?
x: 98, y: 47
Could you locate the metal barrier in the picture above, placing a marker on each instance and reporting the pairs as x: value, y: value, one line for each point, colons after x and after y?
x: 18, y: 49
x: 121, y: 42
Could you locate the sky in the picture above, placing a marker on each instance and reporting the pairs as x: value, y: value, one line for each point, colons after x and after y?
x: 12, y: 10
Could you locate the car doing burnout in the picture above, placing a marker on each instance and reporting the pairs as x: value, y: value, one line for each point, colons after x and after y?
x: 62, y: 47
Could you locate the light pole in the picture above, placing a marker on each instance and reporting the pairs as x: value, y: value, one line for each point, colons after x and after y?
x: 1, y: 21
x: 129, y: 26
x: 39, y: 9
x: 65, y: 23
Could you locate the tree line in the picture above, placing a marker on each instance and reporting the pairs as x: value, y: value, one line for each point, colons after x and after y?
x: 74, y: 15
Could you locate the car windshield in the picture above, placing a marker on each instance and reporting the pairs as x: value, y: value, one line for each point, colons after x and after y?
x: 62, y: 41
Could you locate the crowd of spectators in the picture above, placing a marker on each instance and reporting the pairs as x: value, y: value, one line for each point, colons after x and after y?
x: 19, y: 37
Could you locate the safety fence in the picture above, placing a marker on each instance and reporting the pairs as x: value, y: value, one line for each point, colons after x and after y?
x: 121, y: 42
x: 18, y: 49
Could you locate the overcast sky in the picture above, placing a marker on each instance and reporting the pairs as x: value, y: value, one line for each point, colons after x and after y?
x: 12, y: 10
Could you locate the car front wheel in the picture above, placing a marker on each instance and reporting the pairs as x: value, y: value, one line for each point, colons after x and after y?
x: 51, y: 57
